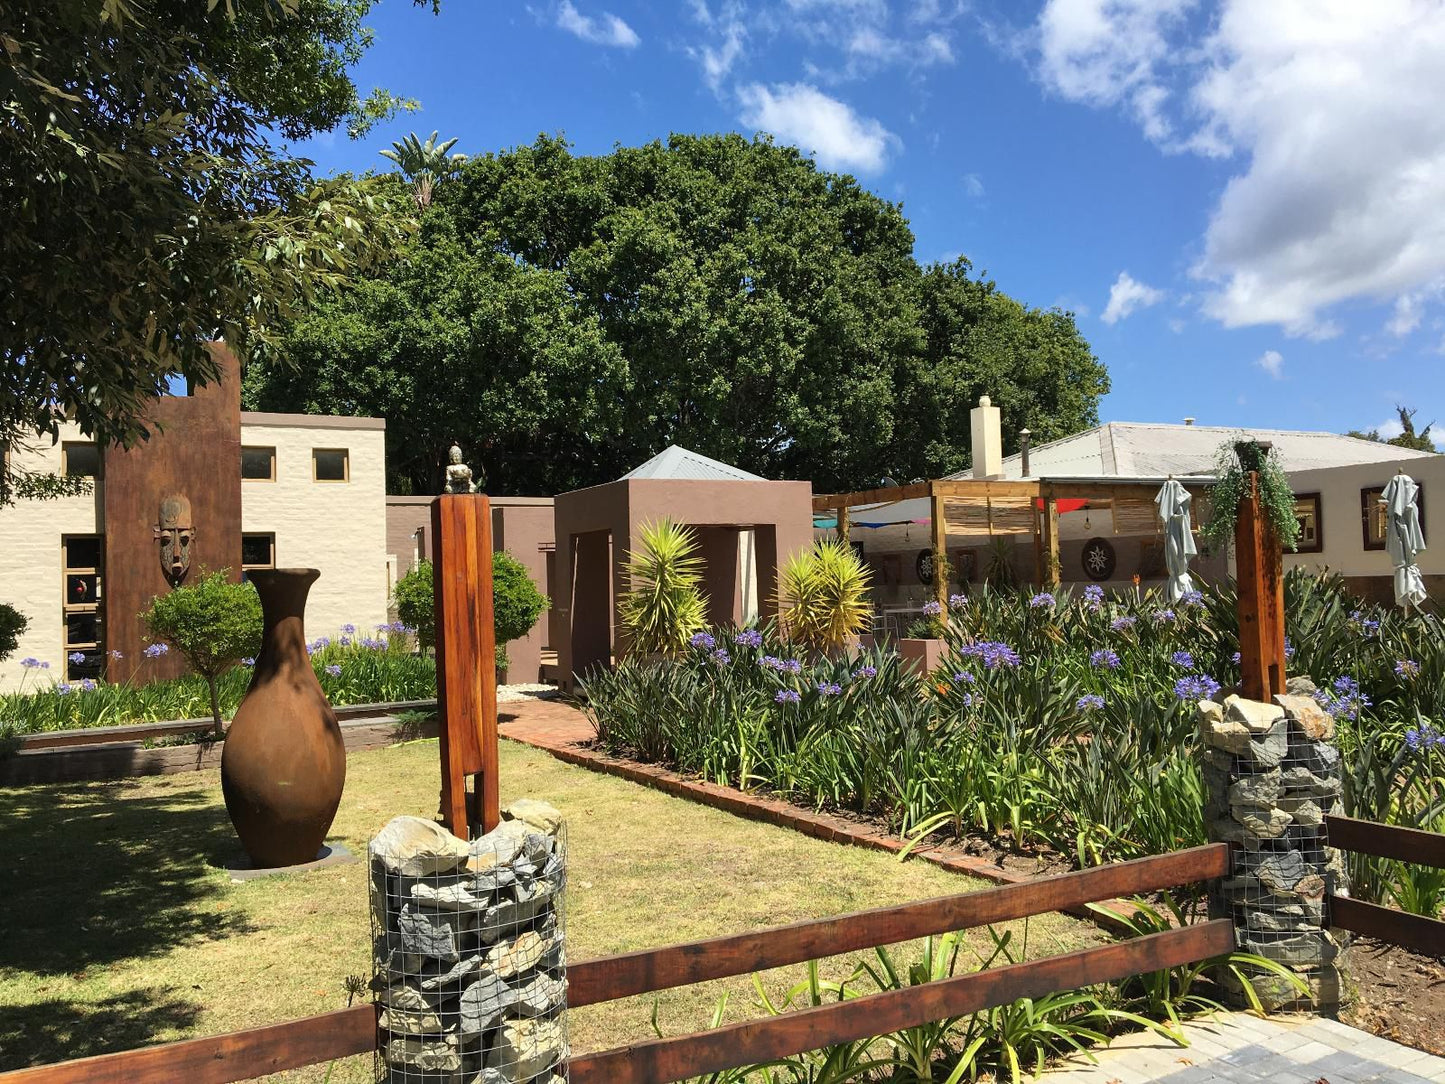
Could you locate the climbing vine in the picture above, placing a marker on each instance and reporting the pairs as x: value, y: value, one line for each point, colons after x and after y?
x: 1232, y: 466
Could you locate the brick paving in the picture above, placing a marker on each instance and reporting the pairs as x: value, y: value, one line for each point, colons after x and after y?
x: 1239, y: 1048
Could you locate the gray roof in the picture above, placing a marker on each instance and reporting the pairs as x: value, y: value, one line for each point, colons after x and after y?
x: 1149, y: 450
x: 674, y: 462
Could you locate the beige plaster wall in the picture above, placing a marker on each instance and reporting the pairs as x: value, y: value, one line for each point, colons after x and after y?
x: 30, y: 573
x: 337, y: 527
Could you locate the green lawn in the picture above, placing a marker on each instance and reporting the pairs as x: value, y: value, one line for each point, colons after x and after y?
x: 122, y: 928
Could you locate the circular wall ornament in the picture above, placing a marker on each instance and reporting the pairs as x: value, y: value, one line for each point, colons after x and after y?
x: 924, y: 565
x: 1099, y: 559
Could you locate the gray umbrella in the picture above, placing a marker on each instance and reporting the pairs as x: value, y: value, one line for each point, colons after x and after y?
x: 1403, y: 538
x: 1173, y: 502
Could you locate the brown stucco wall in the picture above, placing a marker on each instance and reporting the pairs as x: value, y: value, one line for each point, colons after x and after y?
x: 194, y: 450
x: 780, y: 513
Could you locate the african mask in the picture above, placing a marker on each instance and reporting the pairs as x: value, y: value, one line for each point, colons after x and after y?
x: 175, y: 532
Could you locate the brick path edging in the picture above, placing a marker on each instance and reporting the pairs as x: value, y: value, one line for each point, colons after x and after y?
x: 781, y: 814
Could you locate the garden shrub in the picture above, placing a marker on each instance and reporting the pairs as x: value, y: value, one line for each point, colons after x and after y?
x: 213, y: 623
x: 824, y: 595
x: 12, y: 626
x: 664, y: 604
x: 516, y: 602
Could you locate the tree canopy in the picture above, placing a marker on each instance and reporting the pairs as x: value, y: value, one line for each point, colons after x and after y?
x: 564, y: 317
x: 149, y: 205
x: 1406, y: 438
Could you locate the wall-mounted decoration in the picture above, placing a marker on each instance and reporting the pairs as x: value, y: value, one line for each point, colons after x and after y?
x: 1099, y: 559
x: 923, y: 564
x: 175, y: 532
x: 1307, y: 515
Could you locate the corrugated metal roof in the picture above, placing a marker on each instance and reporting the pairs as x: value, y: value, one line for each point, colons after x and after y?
x: 1148, y: 450
x: 678, y: 463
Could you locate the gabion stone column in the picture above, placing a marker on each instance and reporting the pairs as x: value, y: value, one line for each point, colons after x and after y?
x: 470, y: 968
x: 1271, y: 773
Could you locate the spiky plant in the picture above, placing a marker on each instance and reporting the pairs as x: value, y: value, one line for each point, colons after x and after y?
x: 424, y: 164
x: 824, y: 595
x: 664, y: 604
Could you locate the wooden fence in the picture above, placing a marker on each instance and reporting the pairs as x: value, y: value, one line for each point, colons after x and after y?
x: 245, y: 1055
x: 1415, y: 932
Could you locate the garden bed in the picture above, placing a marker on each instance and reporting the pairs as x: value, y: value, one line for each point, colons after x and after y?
x: 1396, y: 994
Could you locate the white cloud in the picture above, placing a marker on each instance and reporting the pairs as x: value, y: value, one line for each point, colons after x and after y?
x: 973, y: 186
x: 1390, y: 429
x: 1406, y: 317
x: 830, y: 129
x: 1329, y: 107
x: 1128, y: 295
x: 604, y: 29
x: 1272, y: 362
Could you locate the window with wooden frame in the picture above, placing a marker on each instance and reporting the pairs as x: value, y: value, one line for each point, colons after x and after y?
x: 258, y: 464
x: 1373, y: 516
x: 330, y: 465
x: 80, y: 459
x: 1307, y: 515
x: 257, y: 551
x: 81, y: 568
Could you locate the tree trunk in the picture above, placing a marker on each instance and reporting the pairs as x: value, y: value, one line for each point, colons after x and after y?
x: 215, y: 705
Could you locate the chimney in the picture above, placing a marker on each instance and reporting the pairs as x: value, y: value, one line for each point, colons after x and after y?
x: 986, y: 427
x: 1188, y: 421
x: 1024, y: 436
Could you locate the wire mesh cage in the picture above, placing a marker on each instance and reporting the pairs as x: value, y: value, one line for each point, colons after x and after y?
x: 469, y: 960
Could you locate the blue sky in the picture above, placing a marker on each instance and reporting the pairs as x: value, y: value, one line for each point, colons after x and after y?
x: 1243, y: 202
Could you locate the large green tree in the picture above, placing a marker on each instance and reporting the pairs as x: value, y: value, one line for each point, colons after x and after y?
x: 1406, y: 438
x: 150, y: 205
x: 563, y: 317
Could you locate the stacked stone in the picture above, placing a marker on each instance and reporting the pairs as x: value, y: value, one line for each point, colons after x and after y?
x: 470, y: 970
x: 1271, y: 773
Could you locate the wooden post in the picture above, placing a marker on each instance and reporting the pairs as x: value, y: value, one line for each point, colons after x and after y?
x: 466, y: 662
x: 1261, y: 600
x: 939, y: 529
x: 843, y: 524
x: 1051, y: 539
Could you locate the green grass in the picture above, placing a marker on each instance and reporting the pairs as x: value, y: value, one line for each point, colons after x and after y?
x: 122, y: 927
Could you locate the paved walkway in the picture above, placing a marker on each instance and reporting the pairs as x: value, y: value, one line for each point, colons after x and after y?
x: 1237, y: 1048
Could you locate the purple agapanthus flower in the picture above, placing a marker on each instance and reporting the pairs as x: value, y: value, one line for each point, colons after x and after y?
x: 87, y: 685
x: 1123, y: 624
x: 829, y: 688
x: 249, y: 660
x: 1408, y: 669
x: 1235, y: 658
x: 1182, y: 658
x: 1192, y: 599
x: 1195, y: 687
x: 867, y: 670
x: 788, y: 696
x: 1093, y: 594
x: 993, y: 654
x: 1043, y: 601
x: 1164, y: 617
x: 117, y: 655
x: 720, y: 656
x: 373, y: 644
x: 1424, y: 738
x: 31, y: 663
x: 703, y: 639
x: 1105, y: 659
x: 749, y: 638
x: 334, y: 669
x: 966, y: 700
x: 964, y: 677
x: 957, y: 602
x: 155, y: 651
x: 932, y: 609
x: 76, y: 656
x: 1089, y: 702
x: 349, y: 629
x: 64, y: 688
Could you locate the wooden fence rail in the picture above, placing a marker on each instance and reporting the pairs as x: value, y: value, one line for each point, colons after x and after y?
x: 223, y: 1059
x: 1418, y: 933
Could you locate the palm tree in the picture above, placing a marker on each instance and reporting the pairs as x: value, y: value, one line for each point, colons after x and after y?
x: 424, y: 164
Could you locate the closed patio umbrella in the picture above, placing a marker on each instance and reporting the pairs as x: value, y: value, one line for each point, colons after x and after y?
x: 1173, y: 502
x: 1403, y: 538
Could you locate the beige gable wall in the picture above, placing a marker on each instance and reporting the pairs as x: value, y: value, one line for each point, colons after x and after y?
x: 30, y: 574
x: 337, y: 527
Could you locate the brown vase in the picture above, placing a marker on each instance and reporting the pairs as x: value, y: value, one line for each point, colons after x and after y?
x: 283, y: 763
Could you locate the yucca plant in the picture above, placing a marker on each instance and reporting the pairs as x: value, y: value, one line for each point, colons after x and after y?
x: 664, y: 605
x: 824, y: 595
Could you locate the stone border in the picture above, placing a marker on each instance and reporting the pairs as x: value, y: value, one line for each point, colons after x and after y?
x: 775, y: 811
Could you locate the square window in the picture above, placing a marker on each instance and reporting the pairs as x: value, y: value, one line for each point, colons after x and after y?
x: 1373, y: 516
x: 82, y: 553
x: 330, y: 464
x: 258, y: 551
x: 1307, y: 515
x: 80, y: 460
x: 258, y: 464
x: 81, y: 629
x: 82, y: 588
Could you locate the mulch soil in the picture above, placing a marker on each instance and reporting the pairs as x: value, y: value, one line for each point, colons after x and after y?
x: 1396, y: 994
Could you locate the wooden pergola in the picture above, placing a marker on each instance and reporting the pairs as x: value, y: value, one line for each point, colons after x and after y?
x: 993, y: 508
